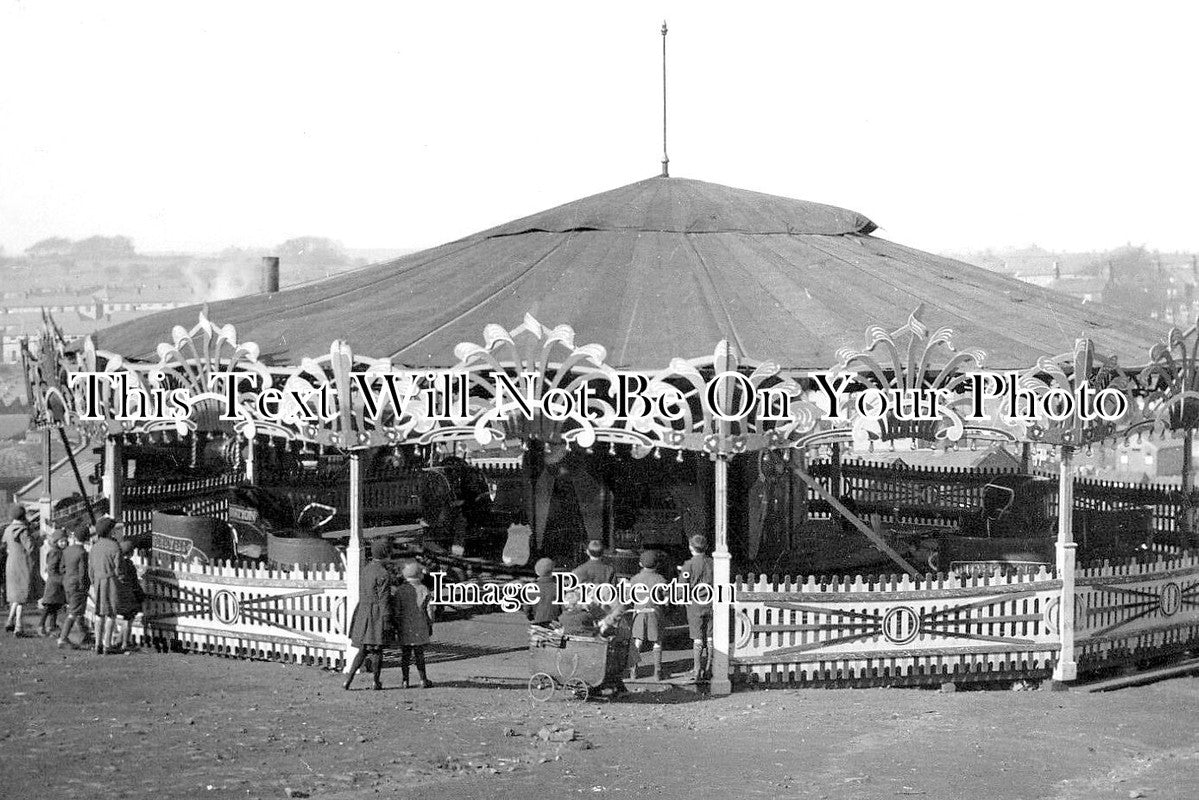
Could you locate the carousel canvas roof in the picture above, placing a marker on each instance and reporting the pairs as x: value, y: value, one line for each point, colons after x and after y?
x: 658, y: 269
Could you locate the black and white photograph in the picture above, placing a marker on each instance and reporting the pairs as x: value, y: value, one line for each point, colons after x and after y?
x: 545, y: 400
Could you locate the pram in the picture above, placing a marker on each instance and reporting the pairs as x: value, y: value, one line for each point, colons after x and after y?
x: 582, y: 665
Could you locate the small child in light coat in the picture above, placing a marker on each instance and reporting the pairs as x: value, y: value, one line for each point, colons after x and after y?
x: 414, y: 621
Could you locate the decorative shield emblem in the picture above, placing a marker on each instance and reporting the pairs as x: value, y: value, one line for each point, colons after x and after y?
x: 1170, y: 599
x: 901, y: 625
x: 226, y: 608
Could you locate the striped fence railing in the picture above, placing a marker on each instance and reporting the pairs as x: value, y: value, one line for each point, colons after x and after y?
x: 894, y: 631
x: 1131, y: 612
x: 294, y: 615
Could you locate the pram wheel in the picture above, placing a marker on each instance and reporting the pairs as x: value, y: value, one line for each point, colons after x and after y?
x: 541, y: 687
x: 578, y: 689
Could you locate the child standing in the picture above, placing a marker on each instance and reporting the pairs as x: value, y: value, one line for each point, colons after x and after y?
x: 19, y: 568
x: 54, y: 597
x: 75, y: 587
x: 698, y: 572
x: 102, y: 563
x: 129, y: 593
x: 545, y: 612
x: 647, y: 623
x: 416, y: 627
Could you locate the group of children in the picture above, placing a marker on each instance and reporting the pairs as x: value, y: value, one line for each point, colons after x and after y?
x: 648, y: 626
x: 75, y: 569
x: 390, y: 611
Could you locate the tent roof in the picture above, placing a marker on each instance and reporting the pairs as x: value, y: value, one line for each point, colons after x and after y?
x: 658, y: 269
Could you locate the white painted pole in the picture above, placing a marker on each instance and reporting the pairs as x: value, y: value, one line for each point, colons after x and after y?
x: 353, y: 552
x: 721, y: 562
x: 114, y: 475
x: 251, y: 472
x: 45, y: 503
x: 1067, y: 667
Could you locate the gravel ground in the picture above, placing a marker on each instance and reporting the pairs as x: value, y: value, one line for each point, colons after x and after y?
x: 151, y: 725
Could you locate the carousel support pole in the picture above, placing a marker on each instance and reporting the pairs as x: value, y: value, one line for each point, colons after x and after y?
x: 114, y: 475
x: 1066, y: 668
x: 353, y: 551
x: 721, y: 563
x: 1188, y: 486
x: 45, y: 503
x: 835, y: 480
x: 251, y: 472
x: 609, y: 517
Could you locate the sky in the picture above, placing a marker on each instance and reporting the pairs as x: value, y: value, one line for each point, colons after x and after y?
x: 196, y: 126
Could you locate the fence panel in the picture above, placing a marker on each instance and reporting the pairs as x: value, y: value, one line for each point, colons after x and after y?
x: 1137, y: 611
x: 294, y: 615
x: 895, y: 630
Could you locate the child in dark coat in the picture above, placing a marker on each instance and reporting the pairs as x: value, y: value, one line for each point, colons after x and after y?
x: 54, y: 597
x: 545, y: 612
x: 416, y: 626
x: 129, y: 593
x: 75, y: 585
x: 648, y: 625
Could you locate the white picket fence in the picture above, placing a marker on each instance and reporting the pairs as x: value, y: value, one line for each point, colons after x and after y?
x: 294, y: 615
x: 897, y: 631
x: 1131, y: 612
x: 894, y: 630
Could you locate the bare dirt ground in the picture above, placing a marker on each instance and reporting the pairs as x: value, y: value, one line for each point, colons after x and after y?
x: 151, y: 725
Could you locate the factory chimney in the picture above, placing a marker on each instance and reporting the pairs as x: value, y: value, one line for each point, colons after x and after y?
x: 270, y: 274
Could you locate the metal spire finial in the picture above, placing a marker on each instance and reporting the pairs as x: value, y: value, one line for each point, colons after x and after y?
x: 665, y: 159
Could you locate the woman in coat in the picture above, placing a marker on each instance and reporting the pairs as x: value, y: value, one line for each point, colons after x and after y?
x: 372, y: 617
x: 18, y: 572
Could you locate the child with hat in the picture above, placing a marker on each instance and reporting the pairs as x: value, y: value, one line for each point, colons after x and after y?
x: 54, y: 597
x: 416, y: 626
x: 373, y: 618
x: 75, y: 586
x: 695, y: 572
x: 129, y: 593
x: 647, y: 621
x: 545, y: 612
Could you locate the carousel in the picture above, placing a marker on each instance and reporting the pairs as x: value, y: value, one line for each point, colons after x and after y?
x: 847, y: 572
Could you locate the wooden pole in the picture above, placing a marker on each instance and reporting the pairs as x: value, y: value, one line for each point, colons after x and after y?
x: 353, y: 553
x: 45, y: 502
x: 1066, y: 668
x: 1025, y: 459
x: 83, y: 492
x: 857, y: 522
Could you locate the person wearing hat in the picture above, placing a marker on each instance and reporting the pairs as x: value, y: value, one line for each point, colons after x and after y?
x: 416, y: 626
x: 372, y: 618
x: 695, y: 572
x: 75, y: 586
x: 647, y: 615
x: 19, y: 569
x: 54, y: 597
x: 595, y: 569
x: 129, y: 593
x: 103, y: 563
x: 546, y: 610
